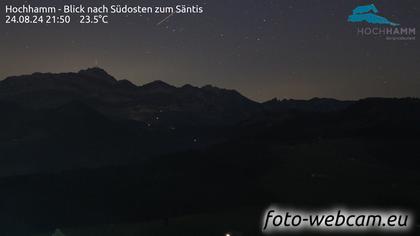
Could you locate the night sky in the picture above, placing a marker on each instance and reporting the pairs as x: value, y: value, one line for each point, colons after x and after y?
x: 262, y: 48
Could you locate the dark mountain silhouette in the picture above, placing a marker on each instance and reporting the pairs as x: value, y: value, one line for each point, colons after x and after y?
x: 158, y: 86
x: 313, y: 105
x: 99, y: 120
x: 124, y: 100
x: 385, y: 109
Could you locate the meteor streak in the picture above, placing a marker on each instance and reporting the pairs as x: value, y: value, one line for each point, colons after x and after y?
x: 166, y: 18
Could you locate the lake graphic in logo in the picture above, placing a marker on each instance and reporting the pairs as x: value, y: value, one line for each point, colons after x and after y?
x: 379, y: 27
x: 368, y: 14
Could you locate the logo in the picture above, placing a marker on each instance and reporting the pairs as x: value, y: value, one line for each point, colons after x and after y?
x: 380, y: 26
x: 368, y: 14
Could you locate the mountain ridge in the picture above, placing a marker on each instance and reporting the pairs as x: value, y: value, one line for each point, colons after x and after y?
x: 122, y: 99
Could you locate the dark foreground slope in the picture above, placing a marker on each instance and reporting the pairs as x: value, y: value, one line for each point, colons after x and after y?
x: 92, y: 173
